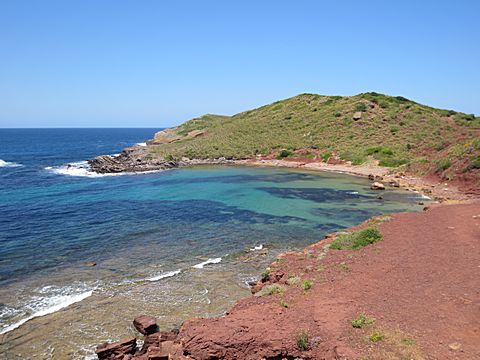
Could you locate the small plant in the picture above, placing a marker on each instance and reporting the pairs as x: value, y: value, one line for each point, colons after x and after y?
x: 443, y: 164
x: 302, y: 341
x: 362, y: 321
x: 356, y: 239
x: 408, y: 342
x: 343, y: 267
x: 306, y: 285
x: 283, y: 304
x: 361, y: 107
x: 272, y: 289
x: 326, y: 156
x: 293, y: 280
x: 265, y: 275
x: 283, y: 154
x: 376, y: 336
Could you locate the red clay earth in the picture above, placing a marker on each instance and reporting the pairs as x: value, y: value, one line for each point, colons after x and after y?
x: 419, y: 289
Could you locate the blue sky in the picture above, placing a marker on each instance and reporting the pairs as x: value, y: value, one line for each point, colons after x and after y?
x: 140, y: 63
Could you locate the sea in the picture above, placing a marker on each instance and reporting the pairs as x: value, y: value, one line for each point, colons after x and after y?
x: 82, y: 254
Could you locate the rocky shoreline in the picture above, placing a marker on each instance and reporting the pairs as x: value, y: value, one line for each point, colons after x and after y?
x: 137, y: 159
x: 267, y: 325
x: 307, y: 304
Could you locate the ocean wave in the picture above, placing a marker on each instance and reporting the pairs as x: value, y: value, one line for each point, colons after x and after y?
x: 141, y: 144
x: 9, y: 164
x: 255, y: 248
x: 41, y: 306
x: 207, y: 262
x: 164, y: 275
x: 82, y: 169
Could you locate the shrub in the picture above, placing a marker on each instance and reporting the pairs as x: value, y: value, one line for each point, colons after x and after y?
x: 361, y: 107
x: 362, y: 321
x: 270, y: 290
x: 379, y: 150
x: 326, y: 156
x: 376, y: 336
x: 392, y: 162
x: 443, y: 164
x: 265, y: 275
x: 283, y: 304
x: 293, y: 280
x: 356, y: 239
x: 306, y: 285
x: 475, y: 162
x: 302, y: 341
x: 283, y: 154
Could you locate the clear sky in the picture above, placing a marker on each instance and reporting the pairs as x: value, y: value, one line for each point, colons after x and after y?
x: 141, y: 63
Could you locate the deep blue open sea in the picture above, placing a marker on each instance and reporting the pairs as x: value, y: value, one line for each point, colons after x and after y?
x: 172, y: 244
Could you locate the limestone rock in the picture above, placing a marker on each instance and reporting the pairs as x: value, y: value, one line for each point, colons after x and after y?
x: 377, y: 186
x: 357, y: 115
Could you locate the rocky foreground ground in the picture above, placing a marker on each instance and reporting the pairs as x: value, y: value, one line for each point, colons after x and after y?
x: 415, y: 294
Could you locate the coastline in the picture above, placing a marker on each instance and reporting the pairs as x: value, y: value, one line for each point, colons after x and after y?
x: 321, y: 291
x: 268, y: 323
x: 135, y: 160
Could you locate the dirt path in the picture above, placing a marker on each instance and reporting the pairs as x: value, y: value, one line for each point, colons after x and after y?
x: 421, y: 284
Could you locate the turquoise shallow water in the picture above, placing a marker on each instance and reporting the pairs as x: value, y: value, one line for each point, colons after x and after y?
x: 166, y: 243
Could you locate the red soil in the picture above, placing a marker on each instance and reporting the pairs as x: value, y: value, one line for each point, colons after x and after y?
x: 421, y: 284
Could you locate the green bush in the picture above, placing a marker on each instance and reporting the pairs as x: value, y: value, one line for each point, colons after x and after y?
x: 376, y: 336
x: 356, y: 239
x: 361, y: 321
x: 392, y: 162
x: 283, y: 154
x: 475, y: 162
x: 326, y: 156
x: 443, y: 164
x: 270, y: 290
x: 306, y: 285
x: 361, y: 107
x: 302, y: 341
x: 379, y: 150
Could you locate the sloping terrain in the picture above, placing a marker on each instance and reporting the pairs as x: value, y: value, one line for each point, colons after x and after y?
x: 393, y: 131
x: 412, y: 295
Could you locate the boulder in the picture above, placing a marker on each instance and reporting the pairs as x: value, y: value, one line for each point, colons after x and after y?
x: 145, y: 324
x: 394, y: 183
x: 117, y: 350
x: 357, y: 115
x: 377, y: 186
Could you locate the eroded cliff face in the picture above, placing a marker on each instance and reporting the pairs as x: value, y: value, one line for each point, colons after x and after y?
x: 133, y: 159
x: 140, y: 159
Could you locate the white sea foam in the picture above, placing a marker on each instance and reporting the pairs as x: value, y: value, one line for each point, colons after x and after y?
x: 164, y: 275
x: 8, y: 164
x: 141, y: 144
x: 47, y: 306
x: 82, y: 168
x: 259, y: 247
x: 207, y: 262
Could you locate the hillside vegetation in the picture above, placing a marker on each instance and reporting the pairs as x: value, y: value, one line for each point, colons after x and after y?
x: 394, y: 131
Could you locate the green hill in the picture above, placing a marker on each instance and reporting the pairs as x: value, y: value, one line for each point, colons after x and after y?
x: 393, y: 130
